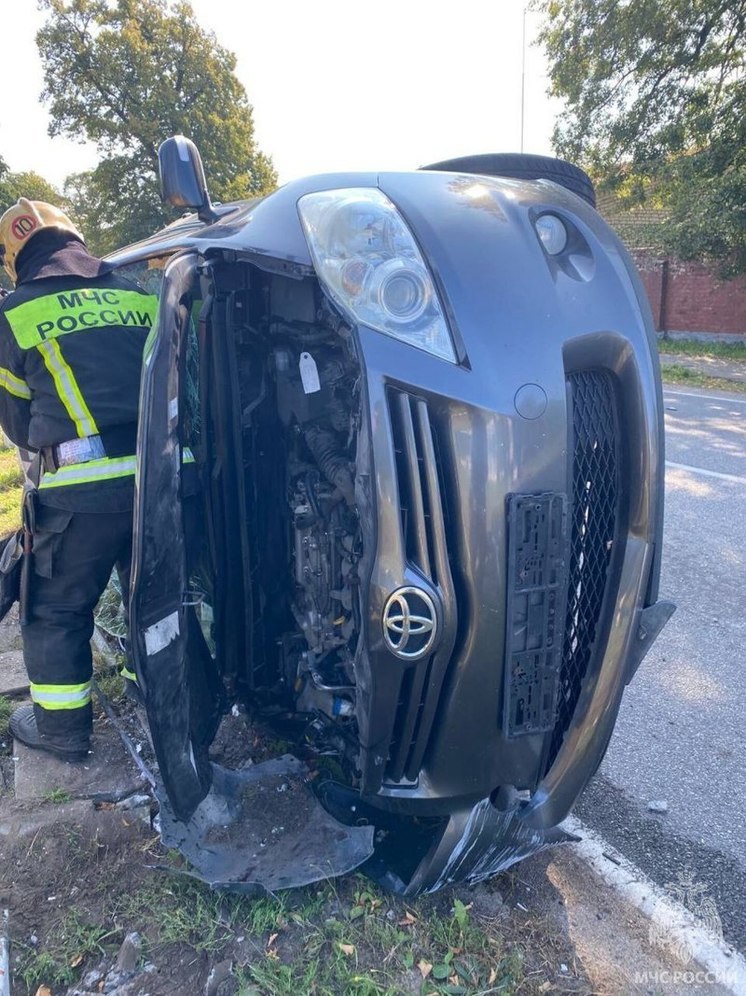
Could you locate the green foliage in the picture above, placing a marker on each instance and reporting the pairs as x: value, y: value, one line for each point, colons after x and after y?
x: 699, y: 347
x: 68, y: 945
x: 11, y: 490
x: 656, y: 108
x: 29, y: 184
x: 675, y: 373
x: 6, y: 708
x: 57, y: 796
x: 126, y: 75
x: 344, y: 936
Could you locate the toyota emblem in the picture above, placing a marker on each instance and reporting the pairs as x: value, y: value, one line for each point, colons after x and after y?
x: 410, y: 623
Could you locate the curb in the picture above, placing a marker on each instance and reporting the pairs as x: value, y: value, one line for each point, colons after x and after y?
x: 721, y: 962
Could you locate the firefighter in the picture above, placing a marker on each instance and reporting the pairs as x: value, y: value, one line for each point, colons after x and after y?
x: 71, y: 341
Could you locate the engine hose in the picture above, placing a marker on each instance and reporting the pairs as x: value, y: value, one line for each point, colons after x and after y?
x: 324, y: 445
x: 311, y: 482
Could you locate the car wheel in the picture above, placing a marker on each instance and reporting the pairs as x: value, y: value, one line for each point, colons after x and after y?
x: 523, y: 167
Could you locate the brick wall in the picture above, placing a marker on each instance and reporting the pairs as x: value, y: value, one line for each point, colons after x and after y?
x: 688, y: 297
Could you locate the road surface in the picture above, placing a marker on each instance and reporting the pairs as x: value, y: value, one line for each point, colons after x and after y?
x: 682, y: 727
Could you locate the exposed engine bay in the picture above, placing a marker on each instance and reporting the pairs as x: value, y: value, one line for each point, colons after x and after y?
x: 326, y: 546
x: 299, y: 397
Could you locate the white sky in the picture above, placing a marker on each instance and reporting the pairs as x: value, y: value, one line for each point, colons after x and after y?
x: 335, y: 84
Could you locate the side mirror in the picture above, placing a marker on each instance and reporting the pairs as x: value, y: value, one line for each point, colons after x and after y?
x: 182, y: 174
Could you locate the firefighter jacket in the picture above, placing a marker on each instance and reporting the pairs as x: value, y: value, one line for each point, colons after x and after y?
x: 71, y: 342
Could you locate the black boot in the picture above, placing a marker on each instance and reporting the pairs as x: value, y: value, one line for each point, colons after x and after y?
x: 69, y: 748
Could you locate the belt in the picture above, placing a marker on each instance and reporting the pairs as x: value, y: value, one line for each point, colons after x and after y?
x: 73, y: 451
x: 114, y: 441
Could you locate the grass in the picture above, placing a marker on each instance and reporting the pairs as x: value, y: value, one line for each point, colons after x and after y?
x: 342, y: 937
x: 110, y: 680
x: 696, y: 347
x: 676, y: 374
x: 6, y: 708
x: 57, y: 796
x: 11, y: 490
x: 66, y: 948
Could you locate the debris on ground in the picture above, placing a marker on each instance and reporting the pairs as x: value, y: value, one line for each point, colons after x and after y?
x: 658, y: 806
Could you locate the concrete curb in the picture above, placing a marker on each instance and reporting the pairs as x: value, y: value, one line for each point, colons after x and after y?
x: 721, y: 963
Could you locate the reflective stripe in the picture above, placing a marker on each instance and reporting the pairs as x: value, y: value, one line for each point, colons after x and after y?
x: 53, y: 315
x: 61, y: 696
x: 98, y: 470
x: 67, y: 389
x: 14, y: 385
x: 93, y: 470
x: 129, y: 675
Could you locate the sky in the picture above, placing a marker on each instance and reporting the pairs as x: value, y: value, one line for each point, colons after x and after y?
x: 335, y: 84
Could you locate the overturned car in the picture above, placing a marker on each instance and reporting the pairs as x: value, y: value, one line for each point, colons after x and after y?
x: 424, y: 411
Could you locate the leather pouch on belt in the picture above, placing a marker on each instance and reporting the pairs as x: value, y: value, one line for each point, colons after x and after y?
x: 50, y: 526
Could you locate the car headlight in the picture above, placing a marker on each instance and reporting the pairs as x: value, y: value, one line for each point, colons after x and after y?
x: 552, y: 233
x: 369, y: 263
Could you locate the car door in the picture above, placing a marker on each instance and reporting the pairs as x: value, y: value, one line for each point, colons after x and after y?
x: 174, y: 666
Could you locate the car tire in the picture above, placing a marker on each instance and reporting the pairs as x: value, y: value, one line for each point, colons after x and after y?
x: 523, y: 167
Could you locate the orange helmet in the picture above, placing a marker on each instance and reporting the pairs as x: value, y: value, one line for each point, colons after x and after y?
x: 22, y: 222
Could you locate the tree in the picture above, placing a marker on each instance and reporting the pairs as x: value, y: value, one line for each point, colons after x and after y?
x: 126, y: 74
x: 656, y: 107
x: 31, y: 185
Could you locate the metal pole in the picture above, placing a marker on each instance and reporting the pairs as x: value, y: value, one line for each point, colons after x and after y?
x: 523, y: 75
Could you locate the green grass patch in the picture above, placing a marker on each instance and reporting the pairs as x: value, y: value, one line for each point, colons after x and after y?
x: 68, y: 945
x: 337, y: 937
x: 676, y: 374
x: 182, y: 910
x: 57, y: 796
x: 696, y: 347
x: 11, y: 490
x: 110, y: 681
x: 6, y: 708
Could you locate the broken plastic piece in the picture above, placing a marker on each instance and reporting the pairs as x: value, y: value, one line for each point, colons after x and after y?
x: 248, y: 835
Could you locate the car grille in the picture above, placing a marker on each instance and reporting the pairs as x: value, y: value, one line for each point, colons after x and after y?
x: 595, y: 529
x: 424, y: 531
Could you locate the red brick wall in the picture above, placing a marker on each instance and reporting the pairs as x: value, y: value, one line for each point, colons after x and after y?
x: 688, y: 297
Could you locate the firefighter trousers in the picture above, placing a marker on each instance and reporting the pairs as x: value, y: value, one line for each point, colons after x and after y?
x: 74, y: 553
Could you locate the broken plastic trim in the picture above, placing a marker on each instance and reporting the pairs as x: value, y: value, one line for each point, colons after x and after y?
x: 471, y: 845
x: 240, y: 838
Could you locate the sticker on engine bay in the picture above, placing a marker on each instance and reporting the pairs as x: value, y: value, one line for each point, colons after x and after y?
x: 309, y: 374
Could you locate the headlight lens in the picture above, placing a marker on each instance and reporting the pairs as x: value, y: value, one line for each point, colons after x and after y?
x: 552, y: 233
x: 369, y: 263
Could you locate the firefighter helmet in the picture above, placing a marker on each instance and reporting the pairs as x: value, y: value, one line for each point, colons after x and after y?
x: 22, y: 222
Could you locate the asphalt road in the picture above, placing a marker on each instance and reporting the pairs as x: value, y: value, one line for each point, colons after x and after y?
x: 682, y: 727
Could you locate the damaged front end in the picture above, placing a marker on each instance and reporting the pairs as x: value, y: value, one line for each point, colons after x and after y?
x: 399, y: 491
